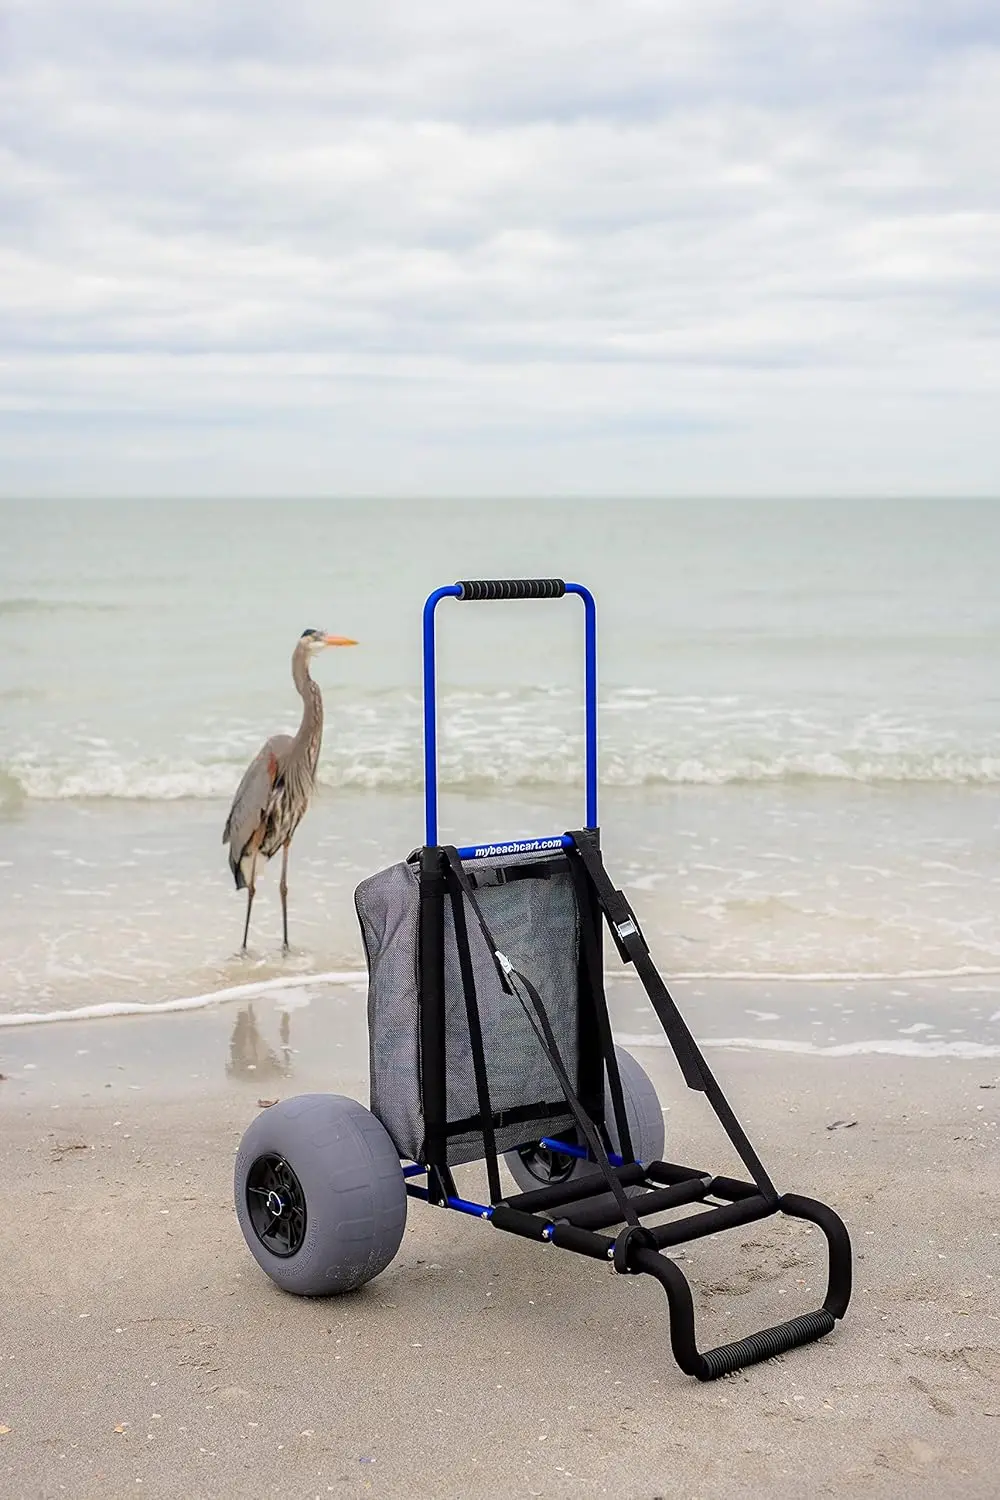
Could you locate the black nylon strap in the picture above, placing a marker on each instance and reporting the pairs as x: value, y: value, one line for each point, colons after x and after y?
x: 476, y: 1041
x: 540, y: 869
x: 540, y: 1025
x: 543, y: 1031
x: 541, y: 1110
x: 433, y: 1032
x: 632, y: 946
x: 592, y: 959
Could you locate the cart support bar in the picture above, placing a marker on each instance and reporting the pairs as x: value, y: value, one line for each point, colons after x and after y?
x: 603, y: 1212
x: 558, y: 1194
x: 696, y: 1226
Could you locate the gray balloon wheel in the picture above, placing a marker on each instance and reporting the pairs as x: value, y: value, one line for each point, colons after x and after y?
x: 320, y: 1195
x: 535, y: 1166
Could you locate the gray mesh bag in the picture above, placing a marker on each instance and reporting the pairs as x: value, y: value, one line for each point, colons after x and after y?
x: 531, y: 910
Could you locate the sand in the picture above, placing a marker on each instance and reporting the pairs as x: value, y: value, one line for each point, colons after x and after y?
x: 144, y: 1353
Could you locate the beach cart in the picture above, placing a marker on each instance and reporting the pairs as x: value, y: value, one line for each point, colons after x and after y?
x: 490, y: 1041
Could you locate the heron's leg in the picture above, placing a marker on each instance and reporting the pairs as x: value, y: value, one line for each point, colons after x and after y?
x: 283, y: 888
x: 251, y: 888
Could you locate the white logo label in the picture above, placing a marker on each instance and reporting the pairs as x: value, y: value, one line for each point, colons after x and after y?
x: 490, y: 851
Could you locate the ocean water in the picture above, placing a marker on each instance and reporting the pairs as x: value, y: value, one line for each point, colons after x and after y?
x: 800, y: 736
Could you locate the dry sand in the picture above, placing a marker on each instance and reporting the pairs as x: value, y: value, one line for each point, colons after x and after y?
x: 143, y: 1352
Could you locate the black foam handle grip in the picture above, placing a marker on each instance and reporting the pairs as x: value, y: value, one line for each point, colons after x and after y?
x: 766, y: 1344
x: 512, y: 588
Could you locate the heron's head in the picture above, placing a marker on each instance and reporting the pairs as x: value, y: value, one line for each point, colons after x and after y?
x: 315, y: 641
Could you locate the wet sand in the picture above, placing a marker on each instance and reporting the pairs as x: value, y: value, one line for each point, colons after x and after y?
x: 143, y: 1352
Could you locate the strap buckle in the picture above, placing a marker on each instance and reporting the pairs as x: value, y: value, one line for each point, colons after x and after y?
x: 625, y: 930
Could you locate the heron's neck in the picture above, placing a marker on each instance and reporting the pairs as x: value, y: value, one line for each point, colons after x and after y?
x: 310, y: 732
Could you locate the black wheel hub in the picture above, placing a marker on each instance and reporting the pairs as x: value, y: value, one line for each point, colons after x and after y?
x: 276, y: 1205
x: 546, y: 1165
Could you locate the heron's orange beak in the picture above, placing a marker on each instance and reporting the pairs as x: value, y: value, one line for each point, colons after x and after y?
x: 338, y: 640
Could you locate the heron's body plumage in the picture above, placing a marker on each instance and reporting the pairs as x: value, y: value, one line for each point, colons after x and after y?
x: 273, y: 796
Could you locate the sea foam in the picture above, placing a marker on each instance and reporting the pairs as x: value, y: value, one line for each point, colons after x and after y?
x: 300, y: 982
x: 183, y: 1002
x: 478, y: 770
x: 887, y: 1047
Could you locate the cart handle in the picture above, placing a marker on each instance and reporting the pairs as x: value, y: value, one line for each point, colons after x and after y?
x: 513, y: 588
x: 508, y: 588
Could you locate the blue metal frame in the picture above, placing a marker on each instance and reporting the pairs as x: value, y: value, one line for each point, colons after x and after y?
x: 452, y: 591
x: 488, y: 850
x: 460, y: 1205
x: 580, y: 1152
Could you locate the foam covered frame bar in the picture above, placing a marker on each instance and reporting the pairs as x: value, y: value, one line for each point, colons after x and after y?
x: 507, y: 589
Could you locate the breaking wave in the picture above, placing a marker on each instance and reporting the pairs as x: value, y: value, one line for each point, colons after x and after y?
x: 494, y: 740
x: 482, y: 771
x: 11, y: 790
x: 28, y: 605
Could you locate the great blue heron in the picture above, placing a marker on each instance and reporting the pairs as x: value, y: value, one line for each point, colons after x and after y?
x: 272, y: 797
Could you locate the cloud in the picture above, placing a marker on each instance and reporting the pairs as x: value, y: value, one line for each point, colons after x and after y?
x: 586, y: 247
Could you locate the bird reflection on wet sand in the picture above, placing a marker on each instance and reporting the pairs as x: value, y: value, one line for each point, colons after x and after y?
x: 249, y: 1052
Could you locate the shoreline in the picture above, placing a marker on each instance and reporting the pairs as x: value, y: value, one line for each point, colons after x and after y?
x: 251, y: 989
x: 127, y: 902
x: 300, y: 1029
x: 146, y: 1353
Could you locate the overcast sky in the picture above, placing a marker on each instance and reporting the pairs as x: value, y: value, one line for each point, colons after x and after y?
x: 440, y: 246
